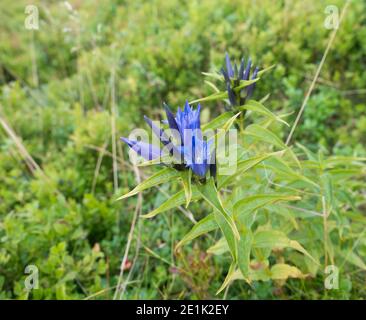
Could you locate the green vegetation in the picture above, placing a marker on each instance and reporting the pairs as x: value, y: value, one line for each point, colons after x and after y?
x: 88, y: 75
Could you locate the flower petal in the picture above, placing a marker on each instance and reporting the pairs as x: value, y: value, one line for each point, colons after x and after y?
x: 252, y: 86
x: 146, y: 150
x: 171, y: 118
x: 241, y: 69
x: 157, y: 131
x: 226, y: 76
x: 229, y: 68
x: 247, y: 70
x: 231, y: 95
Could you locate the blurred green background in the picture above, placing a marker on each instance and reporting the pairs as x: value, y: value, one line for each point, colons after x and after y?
x: 92, y: 64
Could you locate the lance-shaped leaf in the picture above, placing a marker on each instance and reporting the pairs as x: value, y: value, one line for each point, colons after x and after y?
x: 219, y: 247
x: 186, y: 179
x: 258, y: 107
x: 203, y: 226
x: 216, y: 96
x: 279, y: 166
x: 351, y: 257
x: 258, y: 201
x: 242, y: 167
x: 231, y: 276
x: 263, y: 134
x: 245, y: 83
x: 227, y: 230
x: 244, y: 249
x: 265, y: 70
x: 174, y: 201
x: 162, y: 176
x: 277, y: 239
x: 279, y: 271
x: 213, y: 75
x: 333, y: 161
x: 342, y: 174
x: 265, y: 98
x: 282, y: 271
x: 226, y: 126
x: 218, y: 122
x: 216, y: 89
x: 230, y: 122
x: 224, y: 220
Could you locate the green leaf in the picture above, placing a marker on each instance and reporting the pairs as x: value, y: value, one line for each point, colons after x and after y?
x: 279, y: 271
x: 254, y: 275
x: 216, y: 96
x: 353, y: 258
x: 174, y: 201
x: 258, y: 107
x: 203, y: 226
x: 245, y: 83
x: 230, y: 122
x: 218, y: 122
x: 210, y: 194
x: 341, y: 160
x: 214, y: 75
x: 265, y: 98
x: 286, y: 213
x: 277, y: 239
x: 342, y: 174
x: 309, y: 154
x: 279, y: 166
x: 227, y: 125
x: 244, y: 249
x: 282, y: 271
x: 258, y: 201
x: 186, y: 178
x: 227, y: 230
x: 212, y: 86
x: 160, y: 177
x: 231, y: 276
x: 219, y: 247
x: 265, y: 70
x: 163, y: 159
x: 263, y: 134
x: 327, y: 184
x: 223, y: 219
x: 242, y: 167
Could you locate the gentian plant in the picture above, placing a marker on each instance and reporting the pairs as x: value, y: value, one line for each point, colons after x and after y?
x: 235, y: 78
x: 277, y: 209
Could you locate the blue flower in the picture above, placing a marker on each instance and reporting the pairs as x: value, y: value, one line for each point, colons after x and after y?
x: 190, y: 150
x: 233, y: 75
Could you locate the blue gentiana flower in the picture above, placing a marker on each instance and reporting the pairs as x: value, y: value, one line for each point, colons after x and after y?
x: 188, y: 148
x: 233, y: 75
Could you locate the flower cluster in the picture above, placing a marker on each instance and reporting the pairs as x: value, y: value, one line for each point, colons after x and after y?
x: 181, y: 141
x: 233, y: 77
x: 184, y: 142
